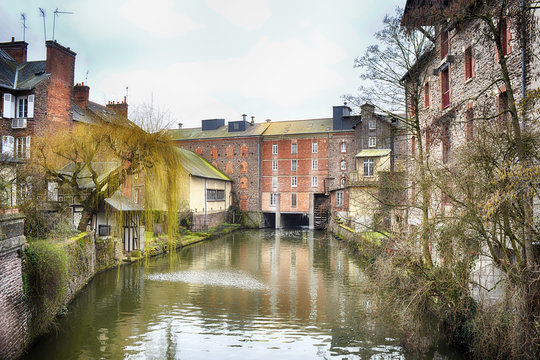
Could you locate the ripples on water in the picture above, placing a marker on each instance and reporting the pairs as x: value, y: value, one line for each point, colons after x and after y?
x: 234, y: 279
x: 250, y: 295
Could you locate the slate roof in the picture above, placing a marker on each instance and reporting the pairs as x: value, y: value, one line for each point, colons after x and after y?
x: 84, y: 180
x: 95, y: 113
x: 197, y: 166
x: 121, y: 202
x: 221, y: 132
x: 373, y: 153
x: 23, y: 76
x: 300, y: 127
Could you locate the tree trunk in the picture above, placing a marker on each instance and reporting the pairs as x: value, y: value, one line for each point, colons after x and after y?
x: 86, y: 216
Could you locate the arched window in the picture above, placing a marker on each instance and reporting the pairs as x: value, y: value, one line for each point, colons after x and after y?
x: 214, y: 153
x: 243, y: 183
x: 229, y: 168
x: 229, y: 152
x: 343, y: 181
x: 244, y: 167
x: 343, y: 146
x: 343, y: 164
x: 244, y: 151
x: 199, y: 151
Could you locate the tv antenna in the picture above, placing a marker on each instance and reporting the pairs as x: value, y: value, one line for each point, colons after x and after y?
x: 42, y: 14
x: 56, y: 12
x: 23, y: 18
x: 86, y: 79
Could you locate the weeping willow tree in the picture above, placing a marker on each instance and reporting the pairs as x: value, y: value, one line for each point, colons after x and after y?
x: 92, y: 162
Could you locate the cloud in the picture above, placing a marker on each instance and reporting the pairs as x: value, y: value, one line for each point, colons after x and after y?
x: 280, y: 73
x: 158, y: 17
x: 248, y: 14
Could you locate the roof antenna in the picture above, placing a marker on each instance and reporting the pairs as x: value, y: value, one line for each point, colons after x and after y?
x: 126, y: 94
x: 56, y: 12
x: 86, y: 78
x: 23, y: 18
x: 42, y: 14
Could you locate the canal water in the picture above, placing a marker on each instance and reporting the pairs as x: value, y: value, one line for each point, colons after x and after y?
x: 290, y: 294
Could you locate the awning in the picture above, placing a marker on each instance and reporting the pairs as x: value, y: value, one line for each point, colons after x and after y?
x: 121, y: 203
x: 373, y: 153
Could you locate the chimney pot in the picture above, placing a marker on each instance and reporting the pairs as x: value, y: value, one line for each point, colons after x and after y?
x: 244, y: 117
x: 180, y: 125
x: 13, y: 39
x: 268, y: 120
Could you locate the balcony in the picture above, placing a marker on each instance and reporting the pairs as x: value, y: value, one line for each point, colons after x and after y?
x: 18, y: 123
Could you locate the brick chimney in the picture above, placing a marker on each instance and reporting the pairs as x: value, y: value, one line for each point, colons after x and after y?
x: 120, y: 107
x: 60, y: 63
x: 15, y: 49
x: 61, y: 67
x: 80, y: 95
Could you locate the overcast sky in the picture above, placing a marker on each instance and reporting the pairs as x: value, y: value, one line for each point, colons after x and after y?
x: 201, y: 59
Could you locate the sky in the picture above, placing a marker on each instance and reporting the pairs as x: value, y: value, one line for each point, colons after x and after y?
x: 205, y: 59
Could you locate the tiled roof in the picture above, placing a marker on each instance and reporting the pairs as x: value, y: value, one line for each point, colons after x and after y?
x: 221, y: 132
x: 197, y: 166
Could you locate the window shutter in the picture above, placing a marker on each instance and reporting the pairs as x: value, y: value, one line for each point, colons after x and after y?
x: 7, y: 145
x: 30, y: 106
x: 28, y: 147
x: 9, y: 102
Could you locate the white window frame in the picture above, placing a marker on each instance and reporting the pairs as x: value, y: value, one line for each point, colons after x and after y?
x: 343, y: 181
x: 343, y: 164
x: 8, y: 145
x: 370, y: 167
x: 274, y: 165
x: 274, y: 149
x: 22, y: 147
x: 274, y: 182
x: 294, y: 165
x: 314, y: 181
x: 294, y: 181
x: 273, y: 198
x: 314, y: 147
x: 372, y: 124
x: 372, y: 142
x: 294, y: 203
x: 294, y: 148
x: 339, y: 198
x: 343, y: 146
x: 24, y: 100
x: 315, y: 164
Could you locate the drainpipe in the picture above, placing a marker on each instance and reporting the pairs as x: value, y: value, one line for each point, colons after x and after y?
x: 523, y: 71
x: 205, y: 203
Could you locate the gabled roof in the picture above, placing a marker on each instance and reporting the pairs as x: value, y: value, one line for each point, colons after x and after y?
x: 221, y: 132
x: 96, y: 113
x: 120, y: 202
x: 23, y: 76
x: 197, y: 166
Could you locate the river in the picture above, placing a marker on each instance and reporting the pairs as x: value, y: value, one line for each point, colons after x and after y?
x: 255, y: 294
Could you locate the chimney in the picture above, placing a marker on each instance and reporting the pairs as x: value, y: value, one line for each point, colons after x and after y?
x: 367, y: 110
x: 15, y: 49
x: 60, y: 63
x: 244, y: 117
x: 80, y: 95
x: 121, y: 108
x: 180, y: 125
x: 252, y: 120
x: 268, y: 120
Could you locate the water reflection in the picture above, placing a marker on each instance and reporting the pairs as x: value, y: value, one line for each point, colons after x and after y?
x: 290, y: 294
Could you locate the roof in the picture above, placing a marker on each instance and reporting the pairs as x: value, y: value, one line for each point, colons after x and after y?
x: 84, y: 179
x: 309, y: 126
x: 121, y: 203
x: 23, y: 76
x: 221, y: 132
x: 95, y: 113
x: 373, y: 153
x: 197, y: 166
x: 423, y: 12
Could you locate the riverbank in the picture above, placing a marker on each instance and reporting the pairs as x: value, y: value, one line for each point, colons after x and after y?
x: 54, y: 272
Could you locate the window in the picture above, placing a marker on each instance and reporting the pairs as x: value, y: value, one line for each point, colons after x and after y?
x: 215, y: 195
x: 294, y: 165
x: 469, y: 124
x: 343, y: 181
x: 244, y: 151
x: 52, y: 191
x: 294, y: 148
x: 343, y: 148
x: 274, y: 149
x: 243, y: 183
x: 314, y: 181
x: 445, y: 87
x: 213, y: 153
x: 104, y: 230
x: 468, y: 60
x: 22, y: 107
x: 198, y: 151
x: 229, y: 169
x: 314, y: 148
x: 446, y: 143
x: 314, y: 164
x: 444, y: 44
x: 22, y: 147
x: 372, y: 142
x: 293, y: 181
x: 8, y: 145
x: 339, y: 198
x: 343, y: 165
x: 372, y: 124
x: 244, y: 167
x: 293, y: 200
x: 273, y: 198
x: 274, y: 182
x: 427, y: 95
x: 229, y: 152
x: 368, y: 167
x: 505, y: 37
x: 274, y: 165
